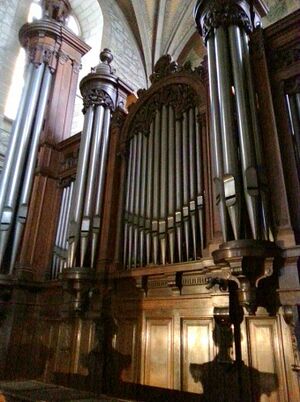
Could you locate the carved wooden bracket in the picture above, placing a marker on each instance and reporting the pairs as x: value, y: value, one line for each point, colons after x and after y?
x: 248, y: 262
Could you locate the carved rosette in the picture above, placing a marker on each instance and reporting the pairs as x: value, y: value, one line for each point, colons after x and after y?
x: 96, y: 97
x: 210, y: 15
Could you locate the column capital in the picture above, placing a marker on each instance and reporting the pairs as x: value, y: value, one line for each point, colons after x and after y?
x: 102, y: 87
x: 210, y: 14
x: 45, y: 39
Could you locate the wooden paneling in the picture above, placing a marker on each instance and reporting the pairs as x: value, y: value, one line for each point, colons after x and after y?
x: 158, y: 354
x: 126, y: 345
x: 197, y: 348
x: 266, y: 371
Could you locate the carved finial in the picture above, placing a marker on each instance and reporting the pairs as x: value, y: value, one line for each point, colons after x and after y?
x: 106, y: 56
x: 58, y: 10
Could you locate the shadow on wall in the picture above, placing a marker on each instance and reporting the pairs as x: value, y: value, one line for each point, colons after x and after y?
x: 225, y: 380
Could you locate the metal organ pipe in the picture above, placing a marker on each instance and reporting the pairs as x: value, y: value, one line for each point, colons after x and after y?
x: 163, y: 185
x: 30, y: 165
x: 266, y: 225
x: 131, y: 201
x: 15, y: 136
x: 143, y: 198
x: 19, y: 158
x: 199, y: 186
x: 137, y: 198
x: 247, y: 153
x: 229, y: 144
x: 91, y: 177
x: 185, y: 169
x: 216, y: 137
x: 178, y: 181
x: 149, y: 191
x: 78, y: 195
x: 100, y: 185
x: 192, y: 173
x: 171, y: 183
x: 127, y: 217
x: 156, y: 192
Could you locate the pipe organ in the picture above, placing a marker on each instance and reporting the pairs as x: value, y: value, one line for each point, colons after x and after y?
x: 172, y: 278
x: 164, y: 211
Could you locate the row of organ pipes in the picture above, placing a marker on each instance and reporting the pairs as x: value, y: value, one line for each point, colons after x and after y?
x: 87, y: 199
x: 61, y: 243
x: 18, y: 172
x: 164, y: 191
x: 236, y: 143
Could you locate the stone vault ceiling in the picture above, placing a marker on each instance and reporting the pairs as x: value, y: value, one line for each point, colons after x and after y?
x: 167, y: 26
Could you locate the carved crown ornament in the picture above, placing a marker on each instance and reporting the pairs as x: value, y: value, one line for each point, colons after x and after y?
x: 212, y: 14
x: 96, y: 97
x: 180, y: 96
x: 165, y: 67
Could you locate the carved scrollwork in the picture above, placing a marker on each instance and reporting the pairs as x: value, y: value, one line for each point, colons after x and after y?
x: 117, y: 118
x: 42, y: 53
x: 97, y: 97
x: 165, y: 66
x: 180, y: 96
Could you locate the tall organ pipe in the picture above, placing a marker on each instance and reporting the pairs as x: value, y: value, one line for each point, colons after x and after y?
x: 216, y: 141
x: 244, y: 124
x: 149, y: 191
x: 127, y: 203
x: 155, y: 206
x: 171, y: 183
x: 185, y: 169
x: 131, y: 201
x: 199, y: 175
x: 30, y: 165
x: 15, y: 136
x: 178, y: 166
x: 137, y: 196
x: 100, y: 185
x: 91, y: 178
x: 19, y: 159
x: 163, y: 184
x: 78, y: 194
x: 192, y: 172
x: 230, y: 161
x: 143, y: 197
x: 266, y: 225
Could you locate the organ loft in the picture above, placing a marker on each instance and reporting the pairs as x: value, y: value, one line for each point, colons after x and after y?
x: 151, y: 252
